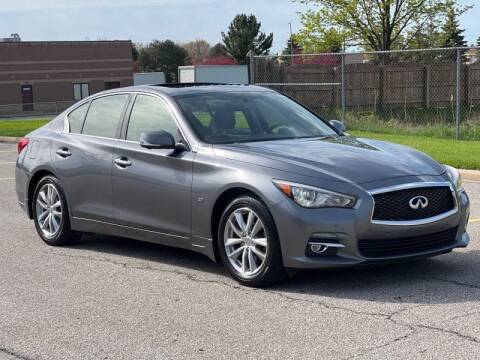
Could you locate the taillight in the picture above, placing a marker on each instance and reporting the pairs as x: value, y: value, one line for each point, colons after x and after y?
x: 22, y: 144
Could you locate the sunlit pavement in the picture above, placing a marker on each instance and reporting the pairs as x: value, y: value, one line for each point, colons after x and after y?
x: 114, y: 298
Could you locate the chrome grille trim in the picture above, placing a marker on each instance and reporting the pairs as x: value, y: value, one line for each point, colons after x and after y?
x: 413, y: 186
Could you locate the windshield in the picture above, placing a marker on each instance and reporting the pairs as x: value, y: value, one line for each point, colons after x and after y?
x: 249, y: 116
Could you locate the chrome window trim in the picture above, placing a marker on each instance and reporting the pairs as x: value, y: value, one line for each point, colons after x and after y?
x: 66, y: 123
x: 167, y: 105
x: 414, y: 186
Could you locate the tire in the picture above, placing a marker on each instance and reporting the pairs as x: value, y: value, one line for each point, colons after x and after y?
x: 57, y: 231
x: 241, y: 249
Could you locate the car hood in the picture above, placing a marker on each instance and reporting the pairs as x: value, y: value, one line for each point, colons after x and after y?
x: 342, y: 158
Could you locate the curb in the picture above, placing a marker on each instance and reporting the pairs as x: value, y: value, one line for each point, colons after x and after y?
x: 470, y: 175
x: 9, y: 139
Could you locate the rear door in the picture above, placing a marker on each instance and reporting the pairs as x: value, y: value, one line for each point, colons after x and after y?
x: 27, y: 97
x: 153, y: 192
x: 83, y: 156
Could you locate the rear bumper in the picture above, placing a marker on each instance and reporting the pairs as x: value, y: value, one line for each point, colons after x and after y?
x: 348, y: 226
x: 21, y: 184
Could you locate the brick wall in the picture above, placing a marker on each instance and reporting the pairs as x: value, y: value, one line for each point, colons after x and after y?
x: 53, y: 67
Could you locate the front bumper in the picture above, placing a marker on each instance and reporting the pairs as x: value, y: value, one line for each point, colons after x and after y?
x: 348, y: 226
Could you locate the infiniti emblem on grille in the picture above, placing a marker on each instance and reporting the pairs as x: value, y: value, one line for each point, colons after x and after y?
x: 418, y: 202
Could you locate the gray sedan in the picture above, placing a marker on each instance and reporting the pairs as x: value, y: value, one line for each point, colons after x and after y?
x: 241, y: 174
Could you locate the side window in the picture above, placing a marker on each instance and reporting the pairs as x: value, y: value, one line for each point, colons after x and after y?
x: 104, y: 115
x: 76, y: 117
x: 149, y: 114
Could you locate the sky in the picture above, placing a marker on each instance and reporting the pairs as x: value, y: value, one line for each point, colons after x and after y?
x: 145, y: 20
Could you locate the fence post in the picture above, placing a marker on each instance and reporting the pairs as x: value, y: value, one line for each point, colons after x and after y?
x: 344, y: 92
x: 251, y: 67
x: 457, y: 112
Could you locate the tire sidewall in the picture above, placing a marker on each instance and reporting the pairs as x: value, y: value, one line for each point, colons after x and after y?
x: 58, y: 239
x: 273, y: 258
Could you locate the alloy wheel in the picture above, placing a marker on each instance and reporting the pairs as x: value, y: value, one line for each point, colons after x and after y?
x: 49, y: 210
x: 245, y: 241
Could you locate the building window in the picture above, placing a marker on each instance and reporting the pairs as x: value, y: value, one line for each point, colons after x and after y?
x: 112, y: 85
x: 80, y: 91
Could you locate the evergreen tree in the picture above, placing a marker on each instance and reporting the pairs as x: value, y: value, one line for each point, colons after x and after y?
x: 244, y: 35
x: 291, y: 44
x: 218, y: 50
x: 165, y: 56
x: 452, y: 34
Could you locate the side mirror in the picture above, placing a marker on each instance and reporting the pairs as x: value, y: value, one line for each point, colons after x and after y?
x: 161, y: 140
x: 339, y: 126
x: 157, y: 140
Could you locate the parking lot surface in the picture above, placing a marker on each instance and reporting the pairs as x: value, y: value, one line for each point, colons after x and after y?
x: 110, y: 298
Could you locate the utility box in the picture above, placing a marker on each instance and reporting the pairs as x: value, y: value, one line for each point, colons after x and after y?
x: 150, y: 78
x: 223, y: 74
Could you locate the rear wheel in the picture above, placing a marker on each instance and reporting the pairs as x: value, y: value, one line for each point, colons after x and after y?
x: 248, y: 243
x: 50, y: 212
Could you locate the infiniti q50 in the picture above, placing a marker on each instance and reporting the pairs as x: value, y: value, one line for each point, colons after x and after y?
x: 242, y: 174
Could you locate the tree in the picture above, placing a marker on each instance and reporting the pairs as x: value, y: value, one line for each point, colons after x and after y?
x: 197, y: 50
x: 292, y: 47
x: 378, y: 24
x: 318, y: 40
x: 165, y: 56
x: 243, y: 36
x: 478, y: 41
x: 218, y: 50
x: 451, y: 32
x: 134, y: 52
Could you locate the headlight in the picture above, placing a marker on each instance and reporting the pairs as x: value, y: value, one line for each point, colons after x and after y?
x: 312, y: 197
x: 455, y: 177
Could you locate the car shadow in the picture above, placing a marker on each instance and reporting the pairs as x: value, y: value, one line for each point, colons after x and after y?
x: 450, y: 278
x: 147, y: 252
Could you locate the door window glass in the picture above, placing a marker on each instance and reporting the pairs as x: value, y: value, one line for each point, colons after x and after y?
x: 104, y: 115
x: 149, y: 114
x: 76, y: 117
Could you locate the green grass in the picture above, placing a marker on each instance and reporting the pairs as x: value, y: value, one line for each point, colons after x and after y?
x: 432, y: 122
x: 19, y: 128
x: 460, y: 154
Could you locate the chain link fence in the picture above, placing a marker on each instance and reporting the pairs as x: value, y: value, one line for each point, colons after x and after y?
x: 431, y: 92
x: 34, y: 109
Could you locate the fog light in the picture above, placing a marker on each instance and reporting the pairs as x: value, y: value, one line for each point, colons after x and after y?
x: 329, y: 248
x: 318, y: 248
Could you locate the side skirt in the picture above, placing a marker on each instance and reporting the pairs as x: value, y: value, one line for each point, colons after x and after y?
x: 196, y: 244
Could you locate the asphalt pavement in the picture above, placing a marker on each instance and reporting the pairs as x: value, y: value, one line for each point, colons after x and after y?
x: 111, y: 298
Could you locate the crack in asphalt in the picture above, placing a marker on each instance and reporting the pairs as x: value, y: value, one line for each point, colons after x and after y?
x: 449, y: 281
x: 412, y: 328
x: 14, y: 354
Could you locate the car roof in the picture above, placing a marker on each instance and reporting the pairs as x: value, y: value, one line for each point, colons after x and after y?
x: 192, y: 88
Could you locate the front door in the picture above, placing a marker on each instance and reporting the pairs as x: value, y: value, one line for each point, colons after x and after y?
x: 152, y: 189
x: 27, y: 97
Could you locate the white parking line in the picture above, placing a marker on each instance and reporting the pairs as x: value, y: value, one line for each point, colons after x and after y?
x: 8, y: 162
x: 473, y: 220
x: 5, y: 179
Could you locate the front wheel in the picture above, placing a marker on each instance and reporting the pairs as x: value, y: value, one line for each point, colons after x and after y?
x: 248, y: 243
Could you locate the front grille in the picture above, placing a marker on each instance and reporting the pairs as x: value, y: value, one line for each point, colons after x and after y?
x: 376, y: 248
x: 394, y: 205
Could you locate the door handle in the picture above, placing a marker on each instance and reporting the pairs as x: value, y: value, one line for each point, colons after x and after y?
x: 63, y: 152
x: 122, y: 162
